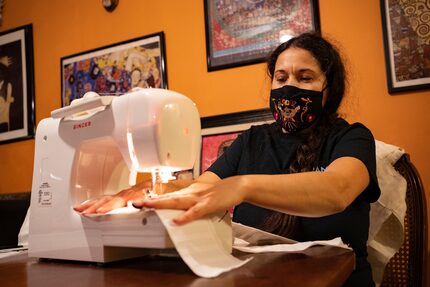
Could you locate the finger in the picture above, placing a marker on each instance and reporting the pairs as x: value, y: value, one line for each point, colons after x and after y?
x: 115, y: 202
x: 197, y: 211
x: 171, y: 202
x: 108, y: 203
x: 84, y: 205
x: 92, y: 208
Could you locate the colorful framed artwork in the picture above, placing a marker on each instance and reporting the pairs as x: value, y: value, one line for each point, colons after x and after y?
x: 115, y: 69
x: 17, y: 108
x: 244, y: 32
x: 406, y: 32
x: 218, y: 132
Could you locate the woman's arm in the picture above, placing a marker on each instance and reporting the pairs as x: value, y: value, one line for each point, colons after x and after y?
x: 137, y: 192
x: 311, y: 194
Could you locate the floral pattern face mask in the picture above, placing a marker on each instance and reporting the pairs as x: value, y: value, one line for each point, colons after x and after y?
x: 295, y: 109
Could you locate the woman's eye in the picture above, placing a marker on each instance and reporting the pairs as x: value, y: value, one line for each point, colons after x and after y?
x: 306, y: 79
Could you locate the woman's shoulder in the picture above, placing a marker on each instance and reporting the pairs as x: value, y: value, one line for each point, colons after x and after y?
x: 260, y: 129
x: 343, y: 128
x: 258, y: 132
x: 268, y: 131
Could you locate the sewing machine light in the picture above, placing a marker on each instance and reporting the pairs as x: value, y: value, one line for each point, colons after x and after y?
x: 166, y: 175
x: 160, y: 176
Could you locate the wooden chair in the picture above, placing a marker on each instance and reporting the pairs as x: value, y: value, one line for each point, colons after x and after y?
x: 408, y: 266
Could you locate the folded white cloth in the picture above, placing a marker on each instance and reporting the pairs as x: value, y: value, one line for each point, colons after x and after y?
x: 253, y: 240
x: 387, y: 215
x: 244, y: 246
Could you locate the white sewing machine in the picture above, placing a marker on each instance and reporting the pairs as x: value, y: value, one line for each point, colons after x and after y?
x: 95, y: 147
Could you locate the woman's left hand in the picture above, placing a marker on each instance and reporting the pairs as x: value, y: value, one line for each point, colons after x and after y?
x: 198, y: 199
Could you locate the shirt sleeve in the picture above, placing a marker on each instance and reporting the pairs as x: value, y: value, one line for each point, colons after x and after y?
x: 227, y: 164
x: 358, y: 142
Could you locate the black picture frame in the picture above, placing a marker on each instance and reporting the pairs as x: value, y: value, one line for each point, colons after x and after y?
x: 115, y: 68
x: 218, y: 132
x: 405, y: 51
x: 241, y: 33
x: 17, y: 106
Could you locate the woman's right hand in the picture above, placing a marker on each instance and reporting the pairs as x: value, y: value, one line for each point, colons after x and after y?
x: 135, y: 193
x: 110, y: 202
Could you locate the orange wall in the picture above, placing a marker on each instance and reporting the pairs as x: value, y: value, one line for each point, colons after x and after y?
x: 62, y: 28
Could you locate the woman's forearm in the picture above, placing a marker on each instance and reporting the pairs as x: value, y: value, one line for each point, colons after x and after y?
x: 289, y: 194
x: 311, y: 194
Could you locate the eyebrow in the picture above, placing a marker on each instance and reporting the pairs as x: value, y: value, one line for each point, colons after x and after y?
x: 300, y: 70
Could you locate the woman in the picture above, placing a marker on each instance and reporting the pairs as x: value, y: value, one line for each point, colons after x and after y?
x: 308, y: 176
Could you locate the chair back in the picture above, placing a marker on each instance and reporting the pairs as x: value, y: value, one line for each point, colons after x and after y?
x: 408, y: 266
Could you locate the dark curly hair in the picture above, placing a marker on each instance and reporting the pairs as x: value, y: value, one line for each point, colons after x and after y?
x: 307, y: 152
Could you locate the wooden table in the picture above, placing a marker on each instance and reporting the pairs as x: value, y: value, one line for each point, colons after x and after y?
x: 318, y: 266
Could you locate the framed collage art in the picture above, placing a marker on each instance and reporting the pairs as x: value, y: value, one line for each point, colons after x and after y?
x: 115, y: 69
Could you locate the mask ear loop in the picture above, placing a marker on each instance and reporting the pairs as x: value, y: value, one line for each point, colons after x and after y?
x: 325, y: 87
x: 322, y: 91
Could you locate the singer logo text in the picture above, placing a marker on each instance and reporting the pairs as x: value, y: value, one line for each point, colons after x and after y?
x: 82, y: 125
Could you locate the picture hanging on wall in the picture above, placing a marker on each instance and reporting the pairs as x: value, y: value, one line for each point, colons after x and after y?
x: 406, y: 32
x: 115, y: 69
x: 17, y: 112
x: 218, y: 133
x: 244, y: 32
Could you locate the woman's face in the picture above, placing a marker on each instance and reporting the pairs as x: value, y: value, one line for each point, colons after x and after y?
x: 297, y: 67
x: 135, y: 78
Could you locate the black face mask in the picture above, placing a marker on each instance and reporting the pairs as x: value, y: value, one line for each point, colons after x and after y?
x: 295, y: 109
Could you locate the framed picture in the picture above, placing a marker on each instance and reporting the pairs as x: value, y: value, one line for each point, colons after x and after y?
x: 244, y: 32
x: 218, y: 132
x: 17, y: 111
x: 115, y: 69
x: 407, y: 44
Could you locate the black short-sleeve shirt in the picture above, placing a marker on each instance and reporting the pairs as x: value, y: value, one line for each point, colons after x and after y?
x: 265, y: 149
